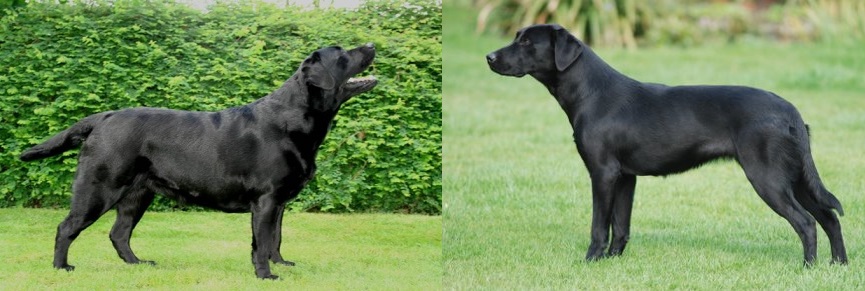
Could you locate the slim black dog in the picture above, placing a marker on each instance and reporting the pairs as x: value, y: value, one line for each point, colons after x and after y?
x: 624, y: 128
x: 252, y: 158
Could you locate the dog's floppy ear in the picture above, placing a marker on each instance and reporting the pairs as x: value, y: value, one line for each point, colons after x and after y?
x: 566, y: 49
x: 316, y: 74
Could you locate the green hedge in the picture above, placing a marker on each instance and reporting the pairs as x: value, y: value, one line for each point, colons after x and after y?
x: 59, y: 63
x: 629, y: 23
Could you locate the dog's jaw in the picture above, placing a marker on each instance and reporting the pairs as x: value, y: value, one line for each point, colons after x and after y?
x: 360, y: 85
x: 503, y: 69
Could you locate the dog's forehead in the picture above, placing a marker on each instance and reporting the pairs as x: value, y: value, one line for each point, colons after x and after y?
x: 534, y: 31
x: 329, y: 51
x: 520, y: 32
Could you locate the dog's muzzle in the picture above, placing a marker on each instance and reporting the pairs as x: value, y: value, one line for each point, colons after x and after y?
x: 491, y: 58
x: 499, y: 67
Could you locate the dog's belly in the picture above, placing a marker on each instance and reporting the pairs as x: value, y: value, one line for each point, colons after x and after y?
x: 231, y: 198
x: 230, y: 206
x: 665, y: 159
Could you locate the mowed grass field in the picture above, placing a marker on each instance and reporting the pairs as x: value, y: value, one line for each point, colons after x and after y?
x: 211, y: 251
x: 517, y: 203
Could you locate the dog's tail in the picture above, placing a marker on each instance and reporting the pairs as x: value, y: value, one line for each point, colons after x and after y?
x: 63, y: 141
x: 813, y: 182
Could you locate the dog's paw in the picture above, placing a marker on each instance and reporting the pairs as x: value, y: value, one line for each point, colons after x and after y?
x: 68, y: 268
x: 141, y: 262
x: 269, y: 277
x: 839, y: 261
x: 284, y: 263
x: 596, y: 257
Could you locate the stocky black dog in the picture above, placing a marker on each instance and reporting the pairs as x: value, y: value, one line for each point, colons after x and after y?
x: 252, y: 158
x: 624, y: 128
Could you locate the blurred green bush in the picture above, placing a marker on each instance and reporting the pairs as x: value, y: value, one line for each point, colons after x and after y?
x: 61, y: 62
x: 632, y: 23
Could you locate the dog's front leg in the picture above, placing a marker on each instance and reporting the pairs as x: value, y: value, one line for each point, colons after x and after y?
x: 264, y: 217
x: 275, y: 256
x: 623, y: 203
x: 603, y: 186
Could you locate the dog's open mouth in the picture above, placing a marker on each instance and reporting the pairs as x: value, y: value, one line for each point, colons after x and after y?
x: 361, y: 84
x: 361, y: 81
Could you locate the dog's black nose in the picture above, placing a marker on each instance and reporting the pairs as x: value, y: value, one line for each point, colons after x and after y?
x: 370, y: 45
x: 491, y: 57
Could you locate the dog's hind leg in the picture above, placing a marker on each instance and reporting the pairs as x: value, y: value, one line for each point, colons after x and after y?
x: 623, y: 203
x: 827, y: 219
x: 129, y: 211
x: 770, y: 166
x: 275, y: 256
x: 89, y: 202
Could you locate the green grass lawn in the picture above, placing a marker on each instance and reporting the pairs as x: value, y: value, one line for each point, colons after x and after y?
x: 211, y: 251
x: 517, y: 200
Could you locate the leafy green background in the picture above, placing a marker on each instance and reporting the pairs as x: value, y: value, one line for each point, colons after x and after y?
x: 59, y: 63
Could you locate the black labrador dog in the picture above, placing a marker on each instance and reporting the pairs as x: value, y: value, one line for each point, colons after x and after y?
x: 624, y: 128
x: 252, y: 158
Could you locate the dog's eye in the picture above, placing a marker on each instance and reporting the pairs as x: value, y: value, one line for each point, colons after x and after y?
x: 525, y: 41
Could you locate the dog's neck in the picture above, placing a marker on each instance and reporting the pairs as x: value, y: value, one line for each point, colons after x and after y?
x: 587, y: 79
x: 295, y: 93
x: 291, y: 109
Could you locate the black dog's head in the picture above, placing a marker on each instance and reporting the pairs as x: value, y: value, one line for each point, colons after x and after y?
x: 328, y: 73
x: 544, y: 48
